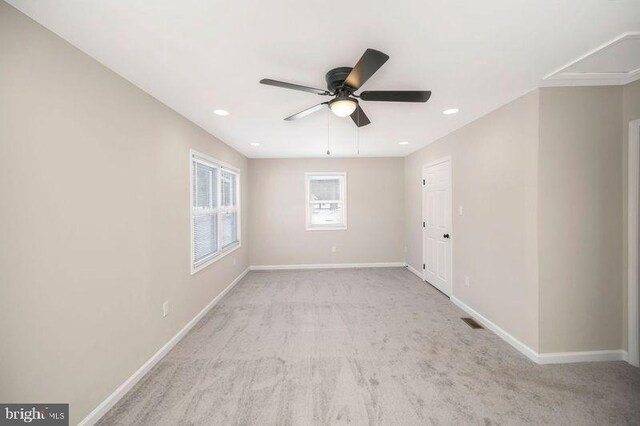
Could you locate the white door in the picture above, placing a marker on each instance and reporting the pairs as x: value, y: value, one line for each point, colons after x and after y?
x: 436, y: 208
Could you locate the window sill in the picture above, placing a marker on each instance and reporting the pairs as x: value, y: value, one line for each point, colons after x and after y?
x: 214, y: 259
x: 327, y: 228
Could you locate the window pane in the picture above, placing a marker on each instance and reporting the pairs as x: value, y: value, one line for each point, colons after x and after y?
x: 204, y: 188
x: 229, y: 228
x: 205, y: 236
x: 214, y: 214
x: 325, y: 188
x: 326, y: 214
x: 228, y: 186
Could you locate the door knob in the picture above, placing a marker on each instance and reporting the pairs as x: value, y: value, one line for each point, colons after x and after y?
x: 445, y: 236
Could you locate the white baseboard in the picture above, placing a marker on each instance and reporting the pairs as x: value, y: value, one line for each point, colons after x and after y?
x: 128, y: 384
x: 543, y: 358
x: 588, y: 356
x: 517, y: 344
x: 327, y: 266
x: 415, y: 271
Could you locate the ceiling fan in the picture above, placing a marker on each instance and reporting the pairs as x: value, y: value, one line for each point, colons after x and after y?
x: 344, y: 81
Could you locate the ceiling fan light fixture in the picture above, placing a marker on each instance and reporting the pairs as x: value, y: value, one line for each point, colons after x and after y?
x: 343, y: 107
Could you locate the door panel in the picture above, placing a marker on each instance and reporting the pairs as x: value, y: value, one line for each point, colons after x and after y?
x: 431, y: 208
x: 430, y: 261
x: 437, y: 218
x: 441, y: 259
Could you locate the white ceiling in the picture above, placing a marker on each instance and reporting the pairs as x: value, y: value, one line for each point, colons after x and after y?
x: 197, y: 56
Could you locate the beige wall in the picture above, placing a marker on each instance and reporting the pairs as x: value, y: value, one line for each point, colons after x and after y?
x: 494, y: 166
x: 94, y: 222
x: 630, y: 112
x: 580, y: 219
x: 551, y: 241
x: 375, y: 201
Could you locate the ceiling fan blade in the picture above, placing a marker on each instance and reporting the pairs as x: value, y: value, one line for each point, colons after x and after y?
x: 277, y: 83
x: 369, y: 63
x: 359, y: 117
x: 306, y: 112
x: 396, y: 95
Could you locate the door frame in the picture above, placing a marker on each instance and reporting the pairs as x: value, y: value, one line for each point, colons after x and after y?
x: 633, y: 240
x: 424, y: 229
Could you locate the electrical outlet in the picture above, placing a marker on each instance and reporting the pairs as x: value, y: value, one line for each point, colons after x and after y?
x: 334, y: 249
x: 466, y: 281
x: 165, y: 308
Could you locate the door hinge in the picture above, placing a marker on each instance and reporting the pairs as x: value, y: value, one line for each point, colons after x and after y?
x: 423, y: 266
x: 423, y: 224
x: 423, y: 182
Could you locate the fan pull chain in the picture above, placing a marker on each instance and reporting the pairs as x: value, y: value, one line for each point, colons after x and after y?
x: 358, y: 130
x: 328, y: 118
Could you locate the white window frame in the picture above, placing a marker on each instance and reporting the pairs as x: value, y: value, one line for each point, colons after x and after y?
x: 329, y: 227
x: 222, y: 251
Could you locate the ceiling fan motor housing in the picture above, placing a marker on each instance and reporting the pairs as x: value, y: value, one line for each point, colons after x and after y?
x: 336, y: 77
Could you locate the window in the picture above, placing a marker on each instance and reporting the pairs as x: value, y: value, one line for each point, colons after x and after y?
x: 326, y: 202
x: 215, y: 212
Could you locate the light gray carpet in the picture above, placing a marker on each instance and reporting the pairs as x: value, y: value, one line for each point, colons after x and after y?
x: 363, y: 346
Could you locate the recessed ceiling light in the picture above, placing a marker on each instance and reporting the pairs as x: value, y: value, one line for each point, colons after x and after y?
x: 403, y: 143
x: 220, y: 112
x: 450, y: 111
x: 255, y: 144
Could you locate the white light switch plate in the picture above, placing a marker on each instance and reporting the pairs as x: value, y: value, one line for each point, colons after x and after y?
x: 165, y: 308
x: 459, y: 210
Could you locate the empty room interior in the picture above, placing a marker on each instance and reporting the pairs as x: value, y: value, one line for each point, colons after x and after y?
x: 319, y: 213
